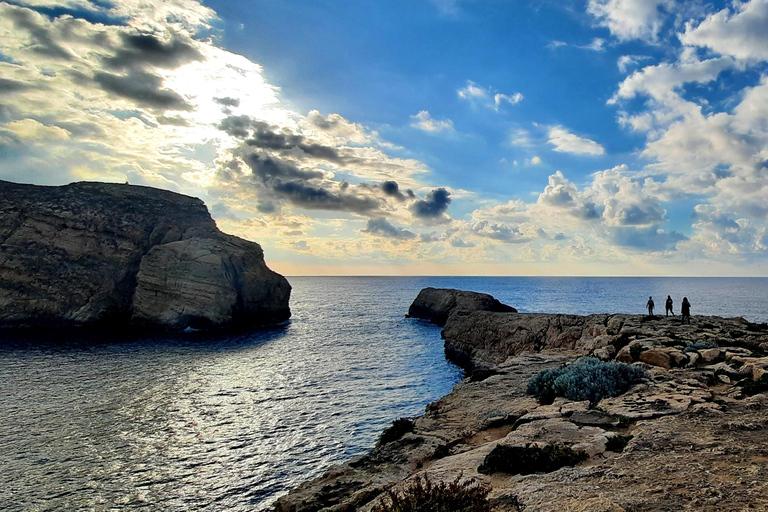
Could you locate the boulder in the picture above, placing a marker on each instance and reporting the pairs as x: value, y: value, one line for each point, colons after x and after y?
x: 89, y: 254
x: 656, y: 357
x: 436, y: 304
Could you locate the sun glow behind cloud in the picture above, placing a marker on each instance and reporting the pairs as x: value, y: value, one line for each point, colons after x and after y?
x: 147, y: 99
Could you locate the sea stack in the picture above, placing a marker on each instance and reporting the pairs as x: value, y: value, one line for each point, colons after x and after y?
x: 437, y: 304
x: 89, y: 254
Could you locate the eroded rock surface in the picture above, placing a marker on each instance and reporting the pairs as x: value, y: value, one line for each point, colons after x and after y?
x: 690, y: 437
x: 437, y: 304
x: 90, y: 253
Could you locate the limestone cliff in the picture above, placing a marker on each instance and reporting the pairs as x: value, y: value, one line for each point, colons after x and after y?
x: 97, y: 253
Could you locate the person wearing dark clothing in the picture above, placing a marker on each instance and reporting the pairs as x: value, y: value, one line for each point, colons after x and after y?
x: 669, y: 306
x: 685, y: 309
x: 650, y: 306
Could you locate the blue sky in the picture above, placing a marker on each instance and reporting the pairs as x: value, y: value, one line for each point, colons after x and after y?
x: 594, y: 137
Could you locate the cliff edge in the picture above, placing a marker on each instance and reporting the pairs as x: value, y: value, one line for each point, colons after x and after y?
x: 89, y: 254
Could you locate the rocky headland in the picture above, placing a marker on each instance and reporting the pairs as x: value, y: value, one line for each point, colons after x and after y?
x: 690, y: 435
x: 98, y: 254
x: 437, y: 304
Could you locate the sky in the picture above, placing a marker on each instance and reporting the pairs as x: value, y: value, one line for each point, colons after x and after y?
x: 413, y: 137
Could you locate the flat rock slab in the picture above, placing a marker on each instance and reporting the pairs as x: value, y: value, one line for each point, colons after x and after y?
x: 652, y: 400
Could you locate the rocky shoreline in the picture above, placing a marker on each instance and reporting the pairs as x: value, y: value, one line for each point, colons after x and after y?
x: 691, y: 436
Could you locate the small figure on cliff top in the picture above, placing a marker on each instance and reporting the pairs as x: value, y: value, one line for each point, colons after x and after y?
x: 650, y: 306
x: 685, y: 310
x: 669, y: 306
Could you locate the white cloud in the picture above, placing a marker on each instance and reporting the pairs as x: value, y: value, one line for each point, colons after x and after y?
x: 742, y: 34
x: 534, y: 160
x: 424, y: 121
x: 631, y: 19
x: 627, y: 61
x: 567, y: 142
x: 520, y: 137
x: 487, y: 96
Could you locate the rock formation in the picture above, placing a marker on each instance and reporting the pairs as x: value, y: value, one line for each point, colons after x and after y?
x: 690, y: 437
x: 95, y: 253
x: 437, y: 304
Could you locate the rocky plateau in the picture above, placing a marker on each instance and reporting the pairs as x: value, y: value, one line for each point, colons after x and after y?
x: 98, y: 254
x: 692, y: 435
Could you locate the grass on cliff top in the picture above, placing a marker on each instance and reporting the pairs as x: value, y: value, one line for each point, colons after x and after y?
x: 422, y: 495
x: 586, y: 379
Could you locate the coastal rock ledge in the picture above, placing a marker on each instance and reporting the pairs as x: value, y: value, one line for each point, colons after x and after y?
x: 437, y: 304
x: 89, y: 254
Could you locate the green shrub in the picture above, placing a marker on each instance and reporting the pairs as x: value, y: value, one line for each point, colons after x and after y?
x: 524, y: 460
x: 586, y: 379
x: 617, y: 443
x: 635, y: 351
x: 424, y: 496
x: 398, y: 429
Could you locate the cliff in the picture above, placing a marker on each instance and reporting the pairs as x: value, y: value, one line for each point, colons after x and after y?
x: 690, y: 436
x: 90, y: 254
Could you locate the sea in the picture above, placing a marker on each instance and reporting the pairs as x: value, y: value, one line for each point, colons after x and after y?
x: 232, y: 422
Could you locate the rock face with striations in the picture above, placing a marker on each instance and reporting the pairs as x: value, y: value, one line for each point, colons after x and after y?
x: 91, y: 253
x: 437, y: 304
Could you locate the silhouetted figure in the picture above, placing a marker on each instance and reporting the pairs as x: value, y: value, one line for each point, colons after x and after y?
x: 650, y: 306
x: 669, y: 306
x: 685, y: 309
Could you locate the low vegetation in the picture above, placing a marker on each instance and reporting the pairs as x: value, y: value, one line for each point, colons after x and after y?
x: 524, y: 460
x: 586, y: 379
x: 422, y: 495
x: 752, y: 387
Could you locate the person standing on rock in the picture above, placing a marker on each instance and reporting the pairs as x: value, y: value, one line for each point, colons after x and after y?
x: 650, y: 306
x: 669, y: 306
x: 685, y: 309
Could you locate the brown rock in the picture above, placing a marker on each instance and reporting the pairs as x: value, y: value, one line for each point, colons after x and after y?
x: 656, y: 357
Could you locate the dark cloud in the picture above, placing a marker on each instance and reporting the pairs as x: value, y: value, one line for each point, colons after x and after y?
x: 282, y: 180
x: 144, y: 88
x: 43, y: 41
x: 227, y: 102
x: 263, y: 136
x: 268, y: 168
x: 318, y: 198
x: 236, y: 126
x: 8, y: 86
x: 435, y: 205
x: 140, y: 50
x: 382, y: 227
x: 392, y: 189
